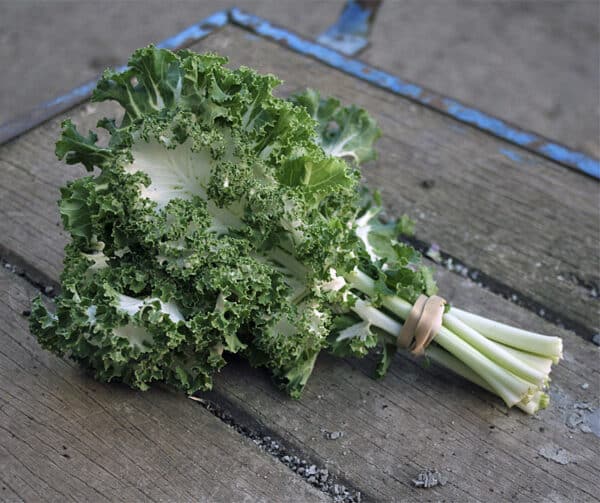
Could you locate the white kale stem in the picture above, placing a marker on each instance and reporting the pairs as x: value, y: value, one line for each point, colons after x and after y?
x: 512, y: 377
x: 538, y: 401
x: 494, y: 351
x: 531, y: 342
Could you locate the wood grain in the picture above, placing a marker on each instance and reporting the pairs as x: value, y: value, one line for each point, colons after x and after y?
x: 412, y: 420
x: 66, y: 437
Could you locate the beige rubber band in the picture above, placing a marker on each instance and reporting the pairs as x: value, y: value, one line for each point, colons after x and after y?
x: 422, y: 324
x: 407, y: 333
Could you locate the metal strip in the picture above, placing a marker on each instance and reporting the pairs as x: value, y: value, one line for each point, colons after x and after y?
x: 349, y: 34
x: 11, y: 129
x: 459, y: 111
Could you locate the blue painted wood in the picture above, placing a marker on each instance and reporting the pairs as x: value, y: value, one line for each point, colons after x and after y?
x: 45, y: 111
x: 464, y: 113
x: 349, y: 34
x: 259, y: 26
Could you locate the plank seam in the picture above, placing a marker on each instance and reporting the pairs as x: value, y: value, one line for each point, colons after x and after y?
x: 46, y: 111
x: 44, y: 284
x: 246, y: 425
x: 488, y: 282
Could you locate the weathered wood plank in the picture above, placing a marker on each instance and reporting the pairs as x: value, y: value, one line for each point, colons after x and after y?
x: 64, y: 436
x: 417, y: 418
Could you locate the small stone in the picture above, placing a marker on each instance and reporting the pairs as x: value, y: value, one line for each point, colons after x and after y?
x: 334, y: 435
x: 585, y: 428
x: 429, y: 478
x: 585, y: 385
x: 556, y: 454
x: 312, y: 479
x: 574, y: 420
x: 48, y: 290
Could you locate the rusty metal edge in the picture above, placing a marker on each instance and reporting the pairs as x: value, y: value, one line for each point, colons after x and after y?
x: 16, y: 127
x: 350, y: 33
x: 515, y: 135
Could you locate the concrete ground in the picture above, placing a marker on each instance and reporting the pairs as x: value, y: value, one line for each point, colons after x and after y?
x: 534, y: 63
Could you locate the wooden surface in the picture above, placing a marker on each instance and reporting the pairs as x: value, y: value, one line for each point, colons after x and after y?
x: 500, y: 215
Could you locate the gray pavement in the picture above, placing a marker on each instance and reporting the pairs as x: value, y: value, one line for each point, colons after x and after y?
x: 534, y: 63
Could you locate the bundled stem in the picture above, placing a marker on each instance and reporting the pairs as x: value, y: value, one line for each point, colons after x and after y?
x: 510, y: 362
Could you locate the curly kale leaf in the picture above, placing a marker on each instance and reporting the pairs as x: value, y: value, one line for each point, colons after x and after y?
x: 347, y: 132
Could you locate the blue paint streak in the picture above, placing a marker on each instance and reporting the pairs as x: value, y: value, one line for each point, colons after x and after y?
x: 461, y: 112
x: 488, y: 123
x: 511, y: 154
x: 554, y: 151
x: 79, y: 92
x: 196, y: 31
x: 354, y: 19
x: 567, y: 156
x: 189, y: 35
x: 329, y: 56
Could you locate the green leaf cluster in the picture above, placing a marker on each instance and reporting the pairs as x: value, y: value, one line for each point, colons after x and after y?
x: 217, y: 219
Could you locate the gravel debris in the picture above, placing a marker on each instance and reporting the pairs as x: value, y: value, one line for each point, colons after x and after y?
x: 310, y: 472
x: 434, y: 253
x: 574, y: 420
x: 429, y: 478
x: 556, y: 454
x: 583, y: 406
